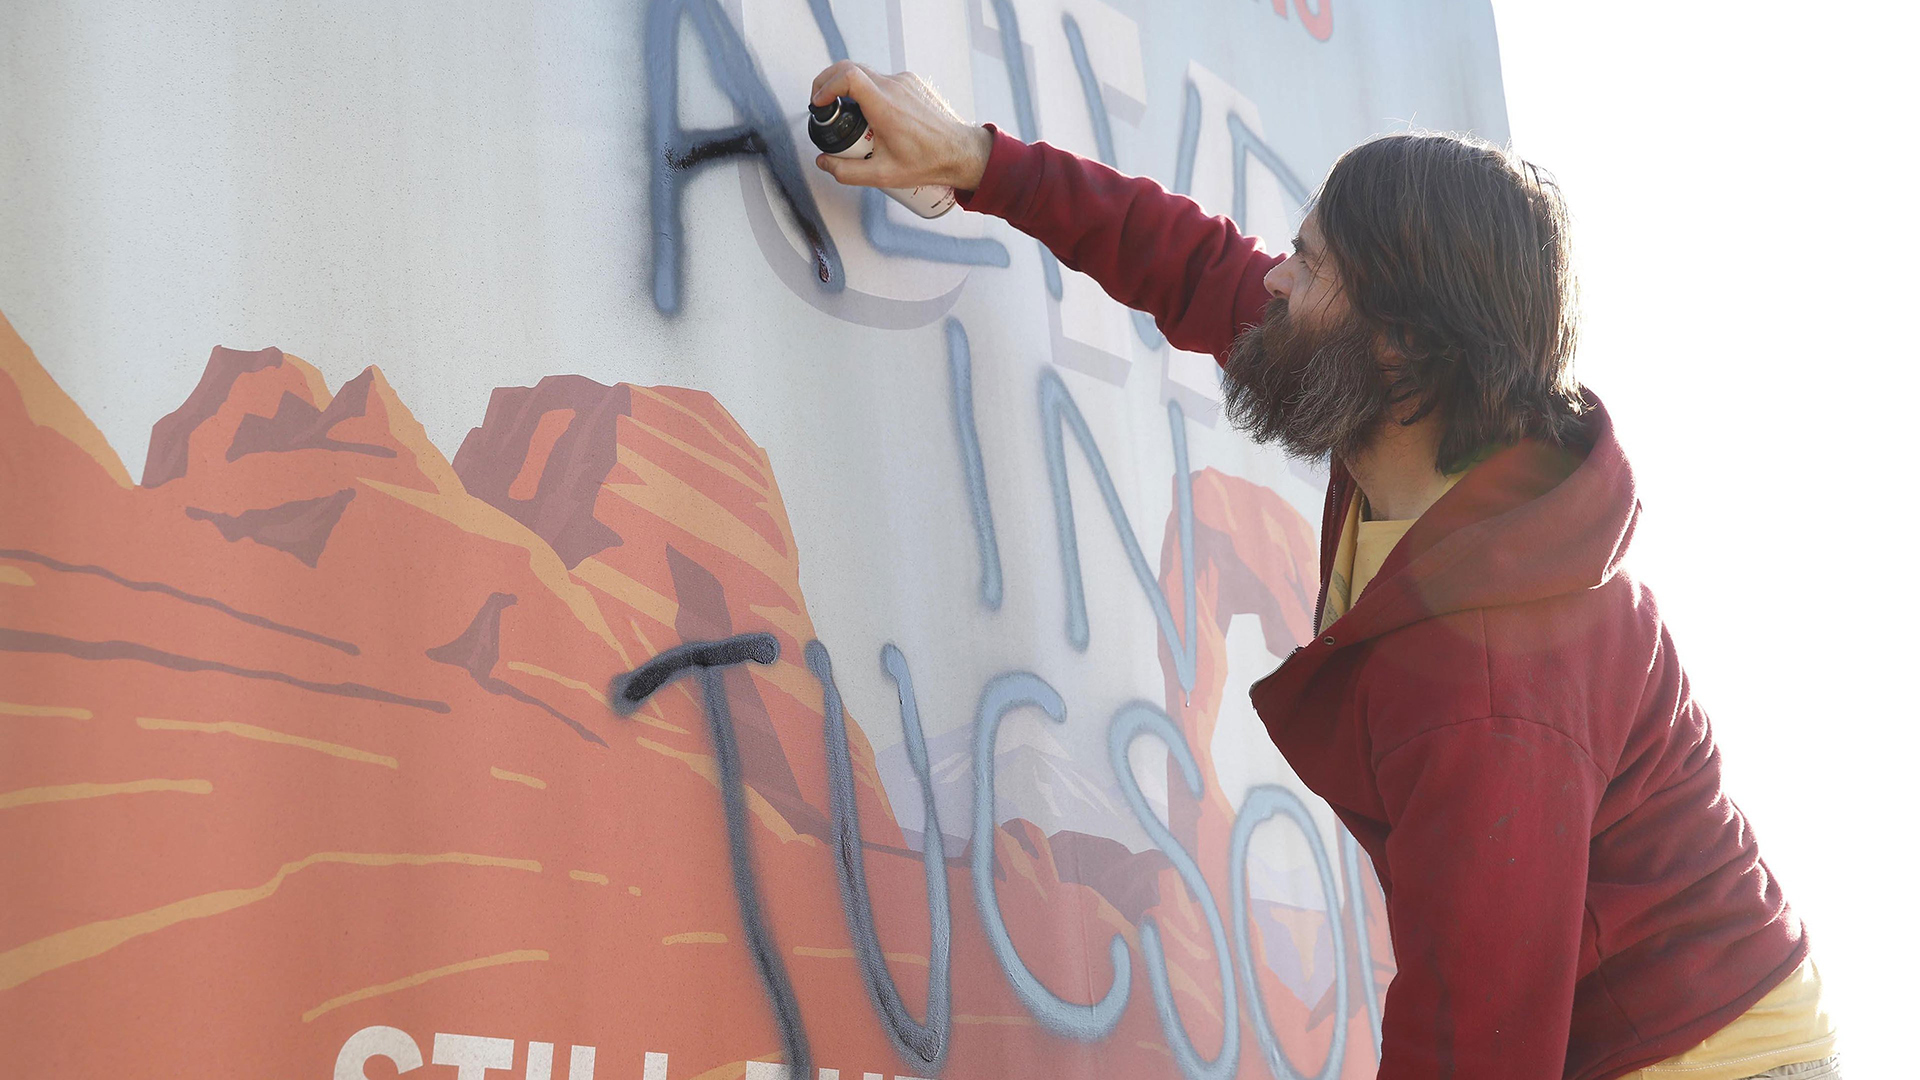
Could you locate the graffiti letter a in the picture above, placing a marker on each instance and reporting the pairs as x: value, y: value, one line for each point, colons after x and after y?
x: 678, y: 153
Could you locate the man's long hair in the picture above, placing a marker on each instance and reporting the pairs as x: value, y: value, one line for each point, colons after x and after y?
x: 1454, y: 254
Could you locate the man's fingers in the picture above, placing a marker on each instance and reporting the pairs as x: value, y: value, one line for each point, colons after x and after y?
x: 875, y: 94
x: 859, y: 82
x: 834, y: 72
x: 840, y: 85
x: 844, y: 79
x: 859, y: 171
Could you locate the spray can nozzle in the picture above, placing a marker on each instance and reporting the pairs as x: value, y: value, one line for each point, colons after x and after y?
x: 837, y: 126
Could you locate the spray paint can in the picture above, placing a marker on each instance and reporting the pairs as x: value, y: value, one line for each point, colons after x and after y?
x: 838, y: 128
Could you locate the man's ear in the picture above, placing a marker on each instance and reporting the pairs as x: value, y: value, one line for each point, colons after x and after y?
x: 1388, y: 353
x: 1405, y: 411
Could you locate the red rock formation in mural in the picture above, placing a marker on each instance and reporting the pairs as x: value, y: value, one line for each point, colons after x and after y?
x: 306, y: 733
x: 1254, y: 554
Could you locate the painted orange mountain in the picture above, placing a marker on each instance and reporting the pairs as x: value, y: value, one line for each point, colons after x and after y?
x: 305, y: 733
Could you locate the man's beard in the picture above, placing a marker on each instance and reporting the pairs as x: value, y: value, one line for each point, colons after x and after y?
x: 1314, y: 391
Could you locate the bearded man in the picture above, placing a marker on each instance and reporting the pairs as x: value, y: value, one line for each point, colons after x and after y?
x: 1490, y: 704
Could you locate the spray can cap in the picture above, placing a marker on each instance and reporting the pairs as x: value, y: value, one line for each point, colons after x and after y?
x: 836, y: 125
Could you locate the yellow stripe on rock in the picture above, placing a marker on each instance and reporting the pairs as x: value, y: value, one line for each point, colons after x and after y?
x: 69, y: 792
x: 703, y: 764
x: 730, y: 1070
x: 670, y: 498
x: 9, y: 708
x: 519, y: 956
x: 848, y: 954
x: 634, y: 594
x: 554, y: 676
x: 518, y: 778
x: 267, y: 735
x: 755, y: 455
x: 641, y: 636
x: 758, y: 486
x: 37, y: 957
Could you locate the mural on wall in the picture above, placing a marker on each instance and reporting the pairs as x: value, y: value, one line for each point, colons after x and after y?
x: 634, y: 731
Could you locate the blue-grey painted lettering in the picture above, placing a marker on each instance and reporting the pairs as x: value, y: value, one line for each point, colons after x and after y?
x: 1133, y: 720
x: 1088, y: 1023
x: 1103, y: 143
x: 678, y: 153
x: 1016, y: 58
x: 829, y: 28
x: 1090, y: 88
x: 1143, y: 326
x: 1183, y: 184
x: 923, y: 1045
x: 1057, y: 412
x: 960, y: 376
x: 1246, y: 144
x: 710, y: 660
x: 886, y: 235
x: 1263, y: 802
x: 1189, y: 142
x: 889, y: 237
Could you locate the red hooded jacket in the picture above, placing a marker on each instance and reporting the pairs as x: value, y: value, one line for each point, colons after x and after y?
x: 1500, y: 719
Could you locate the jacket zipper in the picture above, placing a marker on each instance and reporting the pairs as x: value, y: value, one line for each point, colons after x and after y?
x: 1320, y: 605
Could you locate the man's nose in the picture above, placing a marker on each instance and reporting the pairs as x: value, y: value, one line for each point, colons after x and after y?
x: 1279, y: 280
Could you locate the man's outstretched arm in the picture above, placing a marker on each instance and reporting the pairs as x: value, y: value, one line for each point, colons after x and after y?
x: 1148, y: 248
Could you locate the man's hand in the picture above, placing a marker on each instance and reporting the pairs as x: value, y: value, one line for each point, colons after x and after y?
x: 918, y: 138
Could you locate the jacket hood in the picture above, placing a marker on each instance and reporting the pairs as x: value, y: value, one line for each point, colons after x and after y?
x: 1530, y: 522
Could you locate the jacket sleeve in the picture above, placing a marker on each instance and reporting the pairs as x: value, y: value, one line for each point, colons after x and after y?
x: 1149, y: 249
x: 1489, y: 826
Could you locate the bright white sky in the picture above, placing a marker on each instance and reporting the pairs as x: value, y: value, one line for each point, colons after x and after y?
x: 1741, y: 178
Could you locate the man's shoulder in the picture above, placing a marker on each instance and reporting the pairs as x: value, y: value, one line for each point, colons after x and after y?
x: 1589, y: 665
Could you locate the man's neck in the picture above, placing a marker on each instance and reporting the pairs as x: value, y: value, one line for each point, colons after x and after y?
x: 1396, y: 472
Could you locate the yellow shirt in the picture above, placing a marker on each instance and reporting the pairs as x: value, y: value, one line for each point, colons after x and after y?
x: 1787, y: 1026
x: 1364, y: 546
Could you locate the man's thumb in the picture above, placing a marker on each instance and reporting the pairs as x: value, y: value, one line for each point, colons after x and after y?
x: 858, y: 171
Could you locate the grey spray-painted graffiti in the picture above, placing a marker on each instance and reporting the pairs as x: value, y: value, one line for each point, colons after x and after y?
x: 925, y: 1043
x: 678, y: 153
x: 1248, y: 145
x: 1022, y: 88
x: 1103, y: 140
x: 763, y: 133
x: 1132, y: 721
x: 710, y: 661
x: 1058, y: 413
x: 1003, y: 694
x: 960, y: 376
x: 1262, y: 803
x: 887, y: 236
